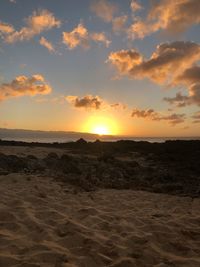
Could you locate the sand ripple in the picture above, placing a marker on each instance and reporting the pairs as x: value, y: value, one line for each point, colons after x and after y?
x: 43, y: 223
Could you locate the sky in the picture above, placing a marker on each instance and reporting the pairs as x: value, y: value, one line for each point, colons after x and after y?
x: 109, y: 67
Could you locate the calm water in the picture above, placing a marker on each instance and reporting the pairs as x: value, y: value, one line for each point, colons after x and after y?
x: 102, y: 138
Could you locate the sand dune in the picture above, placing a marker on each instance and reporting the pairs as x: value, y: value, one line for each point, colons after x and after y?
x: 46, y: 223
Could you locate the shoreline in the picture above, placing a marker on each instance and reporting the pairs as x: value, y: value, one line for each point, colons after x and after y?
x: 169, y: 167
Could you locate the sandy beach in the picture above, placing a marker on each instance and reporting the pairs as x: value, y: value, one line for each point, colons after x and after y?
x: 47, y: 222
x: 44, y: 223
x: 100, y: 133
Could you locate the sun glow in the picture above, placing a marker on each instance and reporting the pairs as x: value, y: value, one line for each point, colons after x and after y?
x: 101, y: 130
x: 101, y: 126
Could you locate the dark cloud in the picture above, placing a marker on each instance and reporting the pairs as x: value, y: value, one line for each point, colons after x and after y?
x: 182, y: 100
x: 152, y: 115
x: 87, y: 102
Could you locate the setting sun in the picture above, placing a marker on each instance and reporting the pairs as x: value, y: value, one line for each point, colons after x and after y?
x: 101, y: 126
x: 101, y: 130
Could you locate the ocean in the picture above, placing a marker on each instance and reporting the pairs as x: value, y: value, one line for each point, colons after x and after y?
x: 92, y: 139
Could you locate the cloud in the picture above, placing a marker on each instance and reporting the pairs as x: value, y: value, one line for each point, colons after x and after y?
x: 80, y: 36
x: 170, y: 15
x: 135, y: 6
x: 90, y: 102
x: 44, y: 42
x: 6, y: 28
x: 104, y: 9
x: 179, y: 100
x: 38, y: 22
x: 185, y: 100
x: 100, y: 37
x: 125, y: 60
x: 191, y: 78
x: 23, y: 85
x: 86, y: 102
x: 118, y: 23
x: 166, y: 63
x: 118, y: 106
x: 172, y: 64
x: 141, y: 113
x: 150, y: 114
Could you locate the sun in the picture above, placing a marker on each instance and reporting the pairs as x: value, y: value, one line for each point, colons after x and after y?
x: 101, y: 125
x: 101, y: 130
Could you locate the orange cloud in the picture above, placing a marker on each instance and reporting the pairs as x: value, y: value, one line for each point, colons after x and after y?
x: 150, y: 114
x: 100, y: 37
x: 44, y: 42
x: 164, y: 66
x: 38, y: 22
x: 6, y: 28
x: 104, y: 10
x: 125, y: 60
x: 172, y: 64
x: 80, y: 36
x: 170, y: 15
x: 23, y: 85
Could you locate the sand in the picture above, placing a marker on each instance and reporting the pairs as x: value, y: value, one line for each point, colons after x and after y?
x: 46, y: 223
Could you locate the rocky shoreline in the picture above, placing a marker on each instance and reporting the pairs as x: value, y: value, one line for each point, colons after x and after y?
x: 172, y: 167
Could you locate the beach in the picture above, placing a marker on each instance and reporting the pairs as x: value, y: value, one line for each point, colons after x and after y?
x: 49, y: 220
